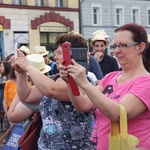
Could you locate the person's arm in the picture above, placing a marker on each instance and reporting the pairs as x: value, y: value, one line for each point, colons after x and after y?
x: 26, y: 92
x: 5, y: 98
x: 23, y: 87
x: 44, y: 84
x: 80, y: 102
x: 107, y: 106
x: 18, y: 112
x: 5, y: 105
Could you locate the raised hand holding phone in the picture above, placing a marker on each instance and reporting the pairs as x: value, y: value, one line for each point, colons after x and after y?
x: 67, y: 61
x: 15, y: 52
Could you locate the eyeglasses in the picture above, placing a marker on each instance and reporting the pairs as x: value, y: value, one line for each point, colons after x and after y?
x: 122, y: 46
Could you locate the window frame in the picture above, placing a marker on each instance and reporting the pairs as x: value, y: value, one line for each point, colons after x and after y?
x: 58, y: 3
x: 65, y: 4
x: 99, y: 14
x: 148, y: 17
x: 19, y: 2
x: 121, y: 17
x: 137, y: 16
x: 42, y: 3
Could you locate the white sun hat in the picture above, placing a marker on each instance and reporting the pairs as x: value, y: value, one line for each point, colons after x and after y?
x: 37, y: 61
x: 99, y: 35
x: 25, y: 49
x: 40, y: 50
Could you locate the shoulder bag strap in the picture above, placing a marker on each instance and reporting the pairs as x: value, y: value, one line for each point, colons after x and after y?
x: 123, y: 119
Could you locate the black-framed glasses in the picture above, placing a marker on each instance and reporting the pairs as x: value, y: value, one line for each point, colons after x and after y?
x: 122, y: 46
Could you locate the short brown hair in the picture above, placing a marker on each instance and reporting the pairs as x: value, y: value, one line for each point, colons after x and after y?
x: 76, y: 40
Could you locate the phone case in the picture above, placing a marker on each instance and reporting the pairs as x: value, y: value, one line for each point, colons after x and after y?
x: 80, y: 56
x: 67, y: 61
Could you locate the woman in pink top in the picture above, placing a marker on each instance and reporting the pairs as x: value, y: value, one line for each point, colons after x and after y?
x: 130, y: 87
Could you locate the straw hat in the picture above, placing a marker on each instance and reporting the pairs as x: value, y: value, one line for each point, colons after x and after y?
x: 37, y: 61
x: 99, y: 35
x: 25, y: 49
x: 40, y: 50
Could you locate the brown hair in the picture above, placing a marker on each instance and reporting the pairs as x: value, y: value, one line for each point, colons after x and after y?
x: 7, y: 68
x: 146, y: 58
x: 8, y: 57
x: 12, y: 73
x: 76, y: 40
x: 139, y: 33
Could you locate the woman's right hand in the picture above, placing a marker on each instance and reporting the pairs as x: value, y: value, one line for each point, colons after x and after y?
x: 21, y: 63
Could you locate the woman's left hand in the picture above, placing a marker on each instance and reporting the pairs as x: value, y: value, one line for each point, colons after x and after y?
x: 78, y: 73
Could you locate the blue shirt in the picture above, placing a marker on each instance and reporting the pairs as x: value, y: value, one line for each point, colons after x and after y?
x: 94, y: 67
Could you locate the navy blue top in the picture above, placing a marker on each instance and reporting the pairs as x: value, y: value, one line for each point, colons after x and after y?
x: 94, y: 67
x: 108, y: 64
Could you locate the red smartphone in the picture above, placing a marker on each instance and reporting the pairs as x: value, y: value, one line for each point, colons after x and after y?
x: 67, y: 61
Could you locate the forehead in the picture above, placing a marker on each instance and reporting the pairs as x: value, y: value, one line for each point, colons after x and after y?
x: 99, y: 43
x: 123, y: 36
x: 59, y: 49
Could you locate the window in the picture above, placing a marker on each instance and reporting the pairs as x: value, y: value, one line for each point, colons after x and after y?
x: 135, y: 15
x: 21, y: 37
x: 48, y: 40
x: 61, y: 3
x: 96, y: 15
x: 20, y: 2
x: 148, y: 16
x: 41, y: 3
x: 119, y: 16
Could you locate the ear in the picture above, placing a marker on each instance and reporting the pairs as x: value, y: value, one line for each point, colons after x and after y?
x: 141, y: 47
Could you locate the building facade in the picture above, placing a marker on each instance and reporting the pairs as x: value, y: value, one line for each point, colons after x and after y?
x: 110, y: 14
x: 35, y: 22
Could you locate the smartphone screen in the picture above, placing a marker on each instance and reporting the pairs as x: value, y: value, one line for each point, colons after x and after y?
x: 80, y: 56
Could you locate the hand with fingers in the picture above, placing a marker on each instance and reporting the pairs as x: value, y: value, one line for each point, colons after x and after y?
x: 21, y: 63
x: 99, y: 56
x: 63, y: 72
x: 77, y: 72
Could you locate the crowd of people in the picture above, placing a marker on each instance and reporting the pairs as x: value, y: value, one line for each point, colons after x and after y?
x: 81, y: 122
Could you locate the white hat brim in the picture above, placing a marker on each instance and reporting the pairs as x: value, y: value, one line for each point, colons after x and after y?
x: 106, y: 41
x: 45, y: 53
x: 46, y: 69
